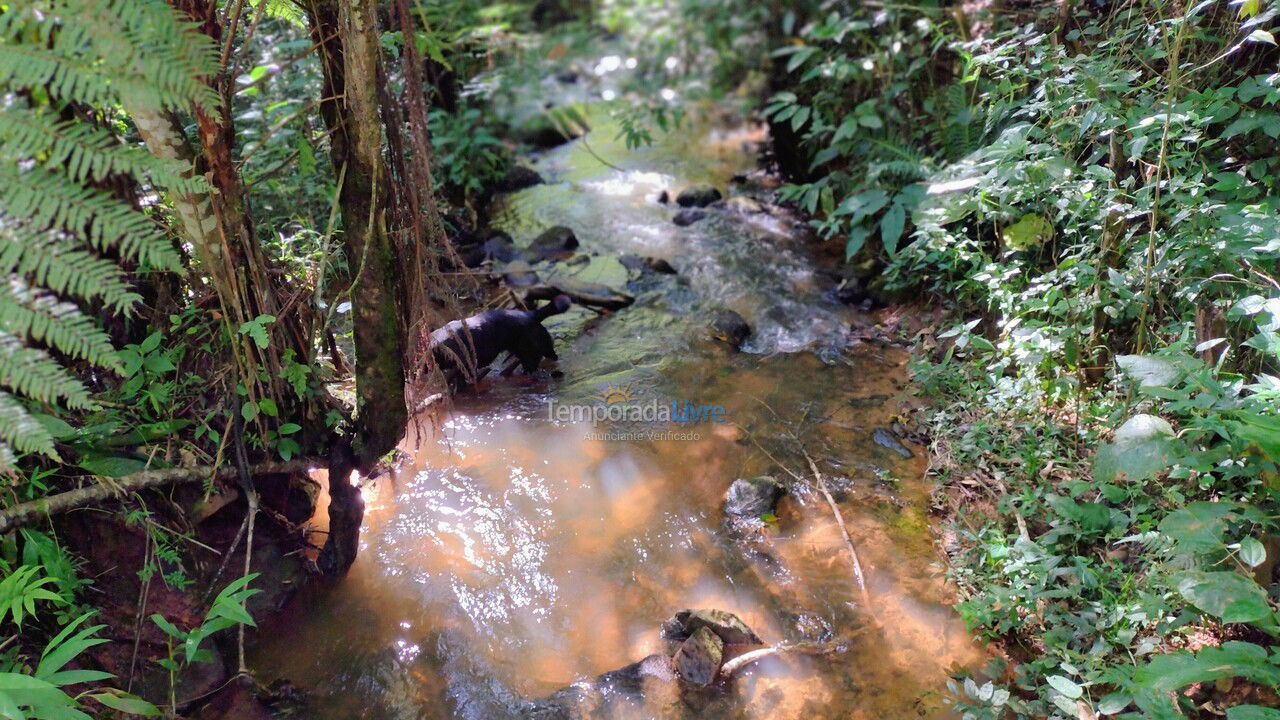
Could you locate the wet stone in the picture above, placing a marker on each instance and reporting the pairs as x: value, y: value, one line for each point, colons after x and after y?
x: 697, y: 196
x: 518, y: 177
x: 870, y: 401
x: 742, y: 204
x: 685, y: 218
x: 886, y: 439
x: 729, y: 327
x: 519, y: 274
x: 499, y: 247
x: 556, y: 242
x: 727, y: 626
x: 752, y: 497
x: 698, y: 659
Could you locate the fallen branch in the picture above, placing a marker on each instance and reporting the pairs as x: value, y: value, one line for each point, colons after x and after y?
x: 590, y: 295
x: 25, y: 513
x: 729, y: 668
x: 844, y: 530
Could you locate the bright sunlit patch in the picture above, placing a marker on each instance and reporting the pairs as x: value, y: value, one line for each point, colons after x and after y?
x: 608, y: 95
x: 667, y: 94
x: 868, y: 65
x: 629, y: 182
x: 607, y: 64
x: 671, y: 63
x: 631, y: 63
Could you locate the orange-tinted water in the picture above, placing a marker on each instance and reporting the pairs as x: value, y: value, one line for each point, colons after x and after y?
x: 515, y: 555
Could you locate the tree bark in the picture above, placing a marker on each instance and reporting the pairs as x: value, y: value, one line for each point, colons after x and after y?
x: 348, y: 36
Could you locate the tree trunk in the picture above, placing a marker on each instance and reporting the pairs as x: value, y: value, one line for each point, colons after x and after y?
x: 348, y: 34
x: 219, y: 227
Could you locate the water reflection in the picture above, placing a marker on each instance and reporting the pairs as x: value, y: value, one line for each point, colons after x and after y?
x: 514, y: 556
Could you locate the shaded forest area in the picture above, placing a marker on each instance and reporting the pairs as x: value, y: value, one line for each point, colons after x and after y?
x: 229, y: 226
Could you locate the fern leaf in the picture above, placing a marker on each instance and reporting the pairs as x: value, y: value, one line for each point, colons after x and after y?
x: 49, y: 261
x: 87, y: 152
x: 59, y: 325
x: 285, y: 10
x: 19, y: 431
x: 47, y: 199
x: 33, y: 373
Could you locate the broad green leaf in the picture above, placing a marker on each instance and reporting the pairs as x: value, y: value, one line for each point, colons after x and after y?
x: 1031, y: 231
x: 249, y: 411
x: 1144, y: 446
x: 1156, y: 370
x: 1225, y: 594
x: 1198, y: 527
x: 1252, y: 553
x: 127, y: 704
x: 857, y: 238
x: 1065, y: 686
x: 113, y: 466
x: 268, y: 407
x: 1252, y: 712
x: 891, y: 226
x: 1174, y: 671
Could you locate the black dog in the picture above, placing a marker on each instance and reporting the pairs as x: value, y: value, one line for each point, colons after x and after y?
x: 463, y: 349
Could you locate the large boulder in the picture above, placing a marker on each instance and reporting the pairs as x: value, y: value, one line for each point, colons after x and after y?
x: 753, y: 497
x: 699, y: 657
x: 698, y: 196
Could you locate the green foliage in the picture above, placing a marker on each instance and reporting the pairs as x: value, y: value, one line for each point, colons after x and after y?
x: 38, y: 693
x: 468, y: 155
x: 63, y: 236
x: 227, y: 610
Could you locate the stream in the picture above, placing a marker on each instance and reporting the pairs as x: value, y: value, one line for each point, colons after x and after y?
x: 516, y: 554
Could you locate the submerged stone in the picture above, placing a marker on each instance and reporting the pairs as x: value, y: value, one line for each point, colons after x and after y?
x: 699, y: 657
x: 727, y: 626
x: 697, y: 196
x: 886, y: 439
x: 753, y: 497
x: 685, y: 218
x: 519, y: 273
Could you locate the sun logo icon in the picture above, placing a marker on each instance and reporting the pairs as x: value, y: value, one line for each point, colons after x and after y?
x: 613, y: 394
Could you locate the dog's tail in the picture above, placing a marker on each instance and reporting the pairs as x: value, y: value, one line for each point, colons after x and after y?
x: 558, y: 304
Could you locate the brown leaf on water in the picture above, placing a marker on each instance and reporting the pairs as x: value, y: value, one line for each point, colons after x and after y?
x: 558, y: 51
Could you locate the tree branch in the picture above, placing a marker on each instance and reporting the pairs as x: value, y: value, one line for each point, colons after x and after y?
x: 25, y: 513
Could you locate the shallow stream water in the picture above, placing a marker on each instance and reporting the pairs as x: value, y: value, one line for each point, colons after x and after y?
x: 514, y: 555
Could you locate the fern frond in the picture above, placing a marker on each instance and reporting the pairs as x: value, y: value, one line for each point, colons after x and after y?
x: 49, y: 261
x: 33, y: 373
x: 87, y: 152
x: 21, y: 432
x: 47, y: 199
x: 286, y: 10
x: 24, y: 312
x: 170, y: 55
x: 23, y: 65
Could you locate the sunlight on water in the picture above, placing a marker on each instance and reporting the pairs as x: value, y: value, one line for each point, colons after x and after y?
x: 513, y: 555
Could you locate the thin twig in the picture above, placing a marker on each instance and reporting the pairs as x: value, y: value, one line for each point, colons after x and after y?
x: 844, y: 530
